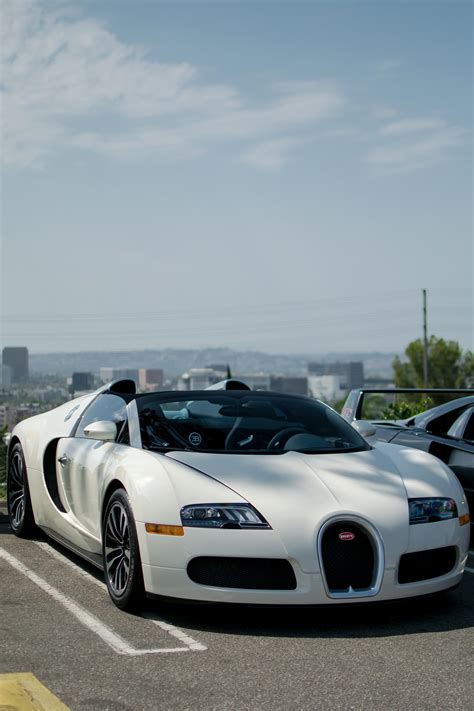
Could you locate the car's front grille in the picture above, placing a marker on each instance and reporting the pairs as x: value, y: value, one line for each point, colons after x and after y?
x: 424, y: 565
x: 348, y: 557
x: 249, y: 573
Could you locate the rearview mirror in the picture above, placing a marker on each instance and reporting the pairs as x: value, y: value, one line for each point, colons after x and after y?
x: 104, y: 430
x: 364, y: 428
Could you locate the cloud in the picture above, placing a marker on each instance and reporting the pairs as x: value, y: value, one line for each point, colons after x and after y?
x: 342, y: 132
x: 388, y: 65
x: 67, y: 82
x: 400, y: 128
x: 425, y: 150
x: 270, y: 155
x: 384, y: 112
x: 294, y: 111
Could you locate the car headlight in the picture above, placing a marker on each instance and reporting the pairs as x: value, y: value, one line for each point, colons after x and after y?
x: 429, y: 510
x: 222, y: 516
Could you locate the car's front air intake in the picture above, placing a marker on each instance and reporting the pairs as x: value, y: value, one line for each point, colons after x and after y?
x: 424, y: 565
x: 249, y: 573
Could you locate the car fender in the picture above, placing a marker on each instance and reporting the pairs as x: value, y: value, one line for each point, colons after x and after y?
x: 425, y: 475
x: 35, y: 433
x: 158, y: 487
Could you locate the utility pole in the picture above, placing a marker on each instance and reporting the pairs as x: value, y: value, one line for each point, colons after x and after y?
x: 425, y: 343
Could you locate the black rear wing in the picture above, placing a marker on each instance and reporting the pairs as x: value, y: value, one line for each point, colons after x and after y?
x: 353, y: 405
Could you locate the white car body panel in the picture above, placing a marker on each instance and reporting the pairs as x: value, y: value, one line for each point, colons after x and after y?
x: 295, y: 492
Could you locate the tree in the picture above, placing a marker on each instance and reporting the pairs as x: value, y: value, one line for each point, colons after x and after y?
x: 448, y: 365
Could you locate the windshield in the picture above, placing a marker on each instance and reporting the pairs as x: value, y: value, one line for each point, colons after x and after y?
x: 243, y: 423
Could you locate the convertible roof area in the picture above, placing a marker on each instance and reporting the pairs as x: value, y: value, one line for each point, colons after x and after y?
x: 128, y: 390
x: 128, y: 387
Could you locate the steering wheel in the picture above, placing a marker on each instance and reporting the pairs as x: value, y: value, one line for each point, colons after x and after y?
x: 284, y: 435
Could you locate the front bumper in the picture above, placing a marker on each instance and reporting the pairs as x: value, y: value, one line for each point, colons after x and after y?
x: 175, y: 583
x: 165, y: 561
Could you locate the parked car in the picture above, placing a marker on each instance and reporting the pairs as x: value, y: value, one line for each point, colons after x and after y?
x: 446, y: 431
x: 230, y: 495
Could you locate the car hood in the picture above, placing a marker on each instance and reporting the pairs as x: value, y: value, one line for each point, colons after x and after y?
x: 297, y: 492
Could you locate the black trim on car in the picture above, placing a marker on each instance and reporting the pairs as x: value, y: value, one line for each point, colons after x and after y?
x: 51, y: 476
x: 95, y: 559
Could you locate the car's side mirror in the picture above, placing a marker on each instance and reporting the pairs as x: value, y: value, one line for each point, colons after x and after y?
x: 104, y: 430
x: 364, y: 428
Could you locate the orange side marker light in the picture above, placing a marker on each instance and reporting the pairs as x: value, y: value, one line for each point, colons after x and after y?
x: 164, y: 529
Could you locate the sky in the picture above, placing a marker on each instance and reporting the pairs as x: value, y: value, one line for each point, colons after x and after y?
x: 275, y: 176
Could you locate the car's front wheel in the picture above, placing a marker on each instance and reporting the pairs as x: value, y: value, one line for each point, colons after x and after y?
x: 122, y: 564
x: 20, y: 511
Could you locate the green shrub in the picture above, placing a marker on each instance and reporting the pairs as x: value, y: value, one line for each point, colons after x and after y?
x: 403, y: 409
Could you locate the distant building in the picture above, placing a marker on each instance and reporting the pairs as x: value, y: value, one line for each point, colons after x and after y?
x: 82, y: 382
x: 379, y: 383
x: 256, y: 381
x: 17, y: 359
x: 351, y: 374
x: 7, y: 376
x: 289, y: 385
x: 3, y: 416
x: 197, y: 379
x: 327, y: 387
x: 107, y: 375
x: 150, y: 378
x: 221, y: 370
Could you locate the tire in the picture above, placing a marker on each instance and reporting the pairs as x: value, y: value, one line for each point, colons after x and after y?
x: 20, y: 511
x: 121, y: 554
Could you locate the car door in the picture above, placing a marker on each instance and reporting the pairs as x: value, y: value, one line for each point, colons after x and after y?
x: 461, y: 459
x: 81, y: 462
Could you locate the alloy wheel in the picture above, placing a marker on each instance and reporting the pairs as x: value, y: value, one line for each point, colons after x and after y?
x: 16, y: 490
x: 117, y: 548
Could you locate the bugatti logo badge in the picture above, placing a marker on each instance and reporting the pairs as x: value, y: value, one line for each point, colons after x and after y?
x: 346, y: 536
x: 195, y: 438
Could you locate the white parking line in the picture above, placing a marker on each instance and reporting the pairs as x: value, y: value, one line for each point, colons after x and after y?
x: 113, y: 640
x: 179, y: 634
x: 469, y: 570
x: 170, y: 629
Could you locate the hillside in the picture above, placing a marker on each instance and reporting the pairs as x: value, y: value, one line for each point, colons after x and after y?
x: 176, y: 361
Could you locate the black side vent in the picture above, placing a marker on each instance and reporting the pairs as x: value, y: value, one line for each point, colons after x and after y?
x: 50, y: 474
x: 424, y: 565
x: 348, y: 557
x: 249, y: 573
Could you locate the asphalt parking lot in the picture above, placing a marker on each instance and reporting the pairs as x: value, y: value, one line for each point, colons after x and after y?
x: 57, y: 622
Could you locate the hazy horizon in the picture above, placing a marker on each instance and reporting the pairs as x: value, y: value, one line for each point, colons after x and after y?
x: 174, y: 362
x: 216, y: 348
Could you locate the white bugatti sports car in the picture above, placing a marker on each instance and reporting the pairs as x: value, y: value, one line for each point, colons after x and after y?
x: 229, y: 495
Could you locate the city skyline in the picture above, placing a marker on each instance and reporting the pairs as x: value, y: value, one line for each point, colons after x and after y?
x: 281, y: 177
